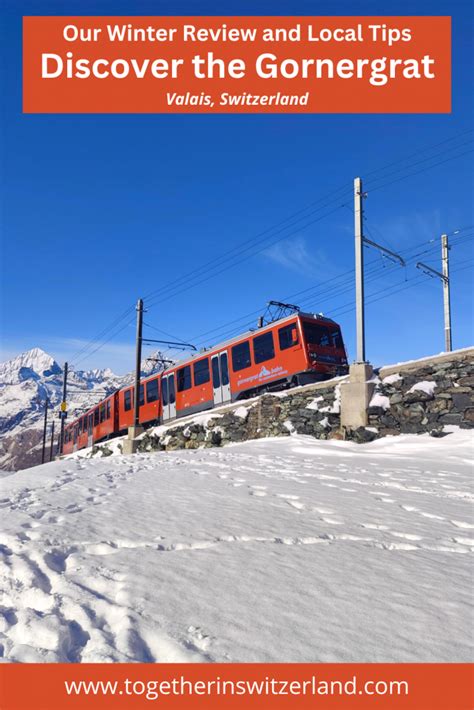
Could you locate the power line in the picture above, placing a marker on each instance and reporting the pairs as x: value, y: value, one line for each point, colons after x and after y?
x: 231, y: 255
x: 418, y: 152
x: 417, y: 172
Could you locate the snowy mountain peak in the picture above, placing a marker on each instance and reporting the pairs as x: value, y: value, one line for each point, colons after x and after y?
x: 33, y: 364
x: 27, y: 380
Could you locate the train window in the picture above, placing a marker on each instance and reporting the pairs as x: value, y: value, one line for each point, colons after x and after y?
x: 91, y: 417
x: 164, y: 391
x: 84, y: 425
x: 152, y: 390
x: 337, y: 339
x: 127, y: 400
x: 96, y: 416
x: 171, y: 389
x: 263, y: 348
x: 184, y: 378
x: 241, y: 356
x: 107, y: 415
x: 102, y: 413
x: 201, y: 372
x: 316, y: 334
x: 224, y: 369
x: 216, y: 377
x: 288, y: 336
x: 142, y: 395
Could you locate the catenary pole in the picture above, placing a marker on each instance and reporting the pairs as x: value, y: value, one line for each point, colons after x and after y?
x: 446, y: 293
x: 63, y: 409
x: 444, y: 276
x: 138, y: 360
x: 52, y: 442
x: 45, y: 424
x: 359, y: 269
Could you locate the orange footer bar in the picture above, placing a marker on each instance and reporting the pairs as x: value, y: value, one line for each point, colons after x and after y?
x: 306, y: 685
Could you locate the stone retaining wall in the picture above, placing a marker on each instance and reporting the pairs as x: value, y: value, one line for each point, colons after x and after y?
x: 424, y: 396
x: 415, y: 397
x: 313, y: 410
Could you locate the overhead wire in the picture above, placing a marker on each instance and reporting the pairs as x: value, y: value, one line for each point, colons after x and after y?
x: 230, y: 256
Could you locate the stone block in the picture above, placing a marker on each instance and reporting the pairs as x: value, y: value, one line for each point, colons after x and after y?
x: 462, y: 401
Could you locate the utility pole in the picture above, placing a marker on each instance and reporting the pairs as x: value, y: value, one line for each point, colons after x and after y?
x: 360, y: 242
x: 446, y: 293
x: 138, y: 362
x: 43, y: 452
x: 52, y: 442
x: 63, y: 409
x: 359, y: 270
x: 444, y: 276
x: 357, y: 392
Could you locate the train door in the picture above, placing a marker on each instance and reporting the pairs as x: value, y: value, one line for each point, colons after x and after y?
x: 90, y: 420
x: 220, y: 378
x: 168, y: 397
x: 75, y: 435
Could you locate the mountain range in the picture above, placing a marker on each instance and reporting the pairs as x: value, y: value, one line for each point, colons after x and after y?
x: 26, y: 383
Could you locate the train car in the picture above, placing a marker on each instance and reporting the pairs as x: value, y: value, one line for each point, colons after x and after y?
x: 298, y: 349
x: 150, y: 403
x: 295, y: 350
x: 97, y: 424
x: 68, y: 439
x: 103, y: 420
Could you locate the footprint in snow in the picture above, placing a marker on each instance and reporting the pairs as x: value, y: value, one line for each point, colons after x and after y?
x: 462, y: 524
x: 406, y: 536
x: 296, y: 504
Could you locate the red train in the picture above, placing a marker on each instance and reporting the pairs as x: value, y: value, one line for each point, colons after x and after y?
x: 295, y: 350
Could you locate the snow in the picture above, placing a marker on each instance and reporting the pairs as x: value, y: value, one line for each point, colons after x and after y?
x: 336, y: 406
x: 287, y: 549
x: 33, y: 364
x: 314, y: 404
x: 450, y: 354
x: 241, y: 412
x: 427, y: 386
x: 391, y: 379
x: 379, y: 400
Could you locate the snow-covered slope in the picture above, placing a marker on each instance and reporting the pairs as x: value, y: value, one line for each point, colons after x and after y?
x: 287, y: 549
x: 33, y: 364
x: 25, y: 383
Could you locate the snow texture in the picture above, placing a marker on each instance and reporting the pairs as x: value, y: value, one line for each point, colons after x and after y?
x: 287, y: 549
x: 427, y: 386
x: 314, y: 404
x: 380, y: 400
x: 241, y: 412
x: 391, y: 379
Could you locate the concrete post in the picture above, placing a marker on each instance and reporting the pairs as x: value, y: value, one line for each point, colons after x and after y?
x: 130, y: 444
x: 356, y: 395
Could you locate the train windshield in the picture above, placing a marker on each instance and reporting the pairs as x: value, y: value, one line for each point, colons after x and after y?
x: 322, y: 335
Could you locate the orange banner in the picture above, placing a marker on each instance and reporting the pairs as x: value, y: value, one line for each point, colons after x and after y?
x: 322, y: 686
x: 236, y: 64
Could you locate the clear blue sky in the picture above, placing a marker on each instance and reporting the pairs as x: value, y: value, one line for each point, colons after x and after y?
x: 101, y: 209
